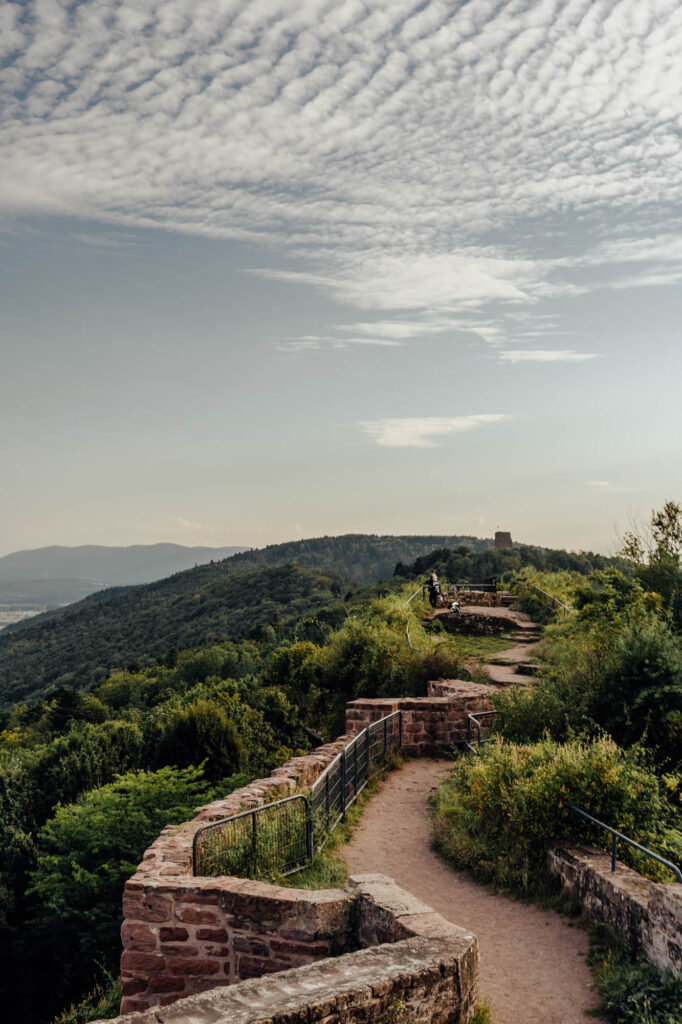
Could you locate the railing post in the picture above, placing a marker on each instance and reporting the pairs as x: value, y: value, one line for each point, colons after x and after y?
x: 613, y: 852
x: 309, y: 837
x: 400, y: 729
x: 385, y: 726
x: 367, y: 749
x: 343, y: 785
x: 326, y: 795
x: 468, y: 728
x: 355, y: 769
x: 254, y: 842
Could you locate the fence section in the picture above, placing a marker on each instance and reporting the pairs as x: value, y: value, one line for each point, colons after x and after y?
x: 275, y: 837
x: 281, y: 837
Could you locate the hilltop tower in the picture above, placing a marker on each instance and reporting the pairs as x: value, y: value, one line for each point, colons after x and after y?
x: 503, y: 541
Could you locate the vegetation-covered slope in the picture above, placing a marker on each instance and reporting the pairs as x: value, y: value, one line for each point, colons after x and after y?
x: 82, y: 643
x: 465, y: 564
x: 71, y: 832
x: 114, y: 628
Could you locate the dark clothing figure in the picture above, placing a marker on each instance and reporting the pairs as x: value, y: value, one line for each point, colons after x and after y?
x: 434, y: 589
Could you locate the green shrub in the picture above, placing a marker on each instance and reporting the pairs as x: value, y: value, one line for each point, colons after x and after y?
x: 87, y: 851
x: 632, y: 990
x: 203, y: 732
x: 526, y: 715
x: 497, y: 814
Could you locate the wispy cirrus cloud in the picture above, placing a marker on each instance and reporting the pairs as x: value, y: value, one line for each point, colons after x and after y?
x: 359, y: 136
x: 538, y: 355
x: 426, y: 431
x: 321, y: 343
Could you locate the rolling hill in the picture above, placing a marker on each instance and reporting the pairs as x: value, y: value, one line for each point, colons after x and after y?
x: 79, y: 644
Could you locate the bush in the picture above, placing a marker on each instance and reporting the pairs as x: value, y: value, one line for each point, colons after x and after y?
x: 497, y: 814
x: 616, y: 667
x: 526, y: 715
x: 203, y: 733
x: 87, y: 851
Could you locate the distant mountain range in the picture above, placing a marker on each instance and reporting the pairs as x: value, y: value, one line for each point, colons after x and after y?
x: 56, y: 575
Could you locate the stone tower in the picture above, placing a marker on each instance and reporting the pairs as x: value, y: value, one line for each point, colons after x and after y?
x: 503, y: 541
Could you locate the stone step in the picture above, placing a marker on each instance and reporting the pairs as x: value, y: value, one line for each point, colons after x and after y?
x: 525, y: 669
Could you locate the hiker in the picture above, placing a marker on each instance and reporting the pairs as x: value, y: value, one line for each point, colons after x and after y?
x: 434, y: 588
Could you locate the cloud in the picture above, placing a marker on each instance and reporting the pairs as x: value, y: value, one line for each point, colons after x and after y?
x: 187, y: 524
x: 355, y: 140
x: 424, y: 432
x: 537, y: 355
x: 318, y: 343
x: 599, y: 483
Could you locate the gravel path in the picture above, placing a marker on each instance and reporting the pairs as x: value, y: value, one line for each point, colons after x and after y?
x: 531, y: 968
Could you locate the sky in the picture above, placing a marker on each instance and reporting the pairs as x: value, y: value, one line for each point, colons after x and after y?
x: 279, y: 268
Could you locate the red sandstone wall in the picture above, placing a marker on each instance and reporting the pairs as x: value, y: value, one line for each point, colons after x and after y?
x: 430, y: 725
x: 183, y: 935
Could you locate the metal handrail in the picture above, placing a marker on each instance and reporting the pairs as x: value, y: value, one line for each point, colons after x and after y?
x: 615, y: 835
x: 252, y: 813
x: 551, y: 597
x: 479, y: 738
x: 354, y: 773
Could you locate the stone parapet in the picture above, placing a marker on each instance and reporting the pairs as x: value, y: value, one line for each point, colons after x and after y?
x: 412, y: 965
x: 645, y: 914
x: 430, y: 725
x: 183, y: 935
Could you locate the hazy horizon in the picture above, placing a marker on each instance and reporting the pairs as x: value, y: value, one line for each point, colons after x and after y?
x: 273, y: 270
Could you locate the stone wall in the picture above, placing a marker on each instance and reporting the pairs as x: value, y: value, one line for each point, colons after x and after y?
x: 184, y: 935
x: 476, y: 597
x: 430, y: 725
x: 412, y: 965
x: 645, y: 914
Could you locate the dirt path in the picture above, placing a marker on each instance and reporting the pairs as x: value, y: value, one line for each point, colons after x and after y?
x: 531, y: 970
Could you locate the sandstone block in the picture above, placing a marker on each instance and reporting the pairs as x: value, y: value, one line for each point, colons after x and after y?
x: 141, y: 964
x: 173, y: 934
x: 137, y: 937
x: 200, y: 965
x: 211, y: 934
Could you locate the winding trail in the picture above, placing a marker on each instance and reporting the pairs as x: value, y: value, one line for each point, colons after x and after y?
x: 532, y: 961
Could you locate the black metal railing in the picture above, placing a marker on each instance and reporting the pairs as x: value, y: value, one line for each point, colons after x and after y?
x: 475, y: 737
x: 281, y: 838
x: 553, y: 601
x: 272, y: 837
x: 615, y: 836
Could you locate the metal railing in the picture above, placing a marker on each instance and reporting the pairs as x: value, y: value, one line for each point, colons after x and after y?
x: 615, y: 836
x: 281, y: 838
x: 552, y: 599
x: 272, y: 837
x: 473, y: 720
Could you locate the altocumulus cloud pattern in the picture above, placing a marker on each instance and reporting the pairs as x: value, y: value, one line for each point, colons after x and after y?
x: 395, y: 146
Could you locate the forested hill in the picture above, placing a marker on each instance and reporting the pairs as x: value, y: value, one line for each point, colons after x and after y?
x: 364, y: 557
x: 465, y: 565
x: 80, y: 644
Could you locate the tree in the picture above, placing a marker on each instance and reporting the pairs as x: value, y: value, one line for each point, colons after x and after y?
x: 655, y: 551
x: 87, y: 851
